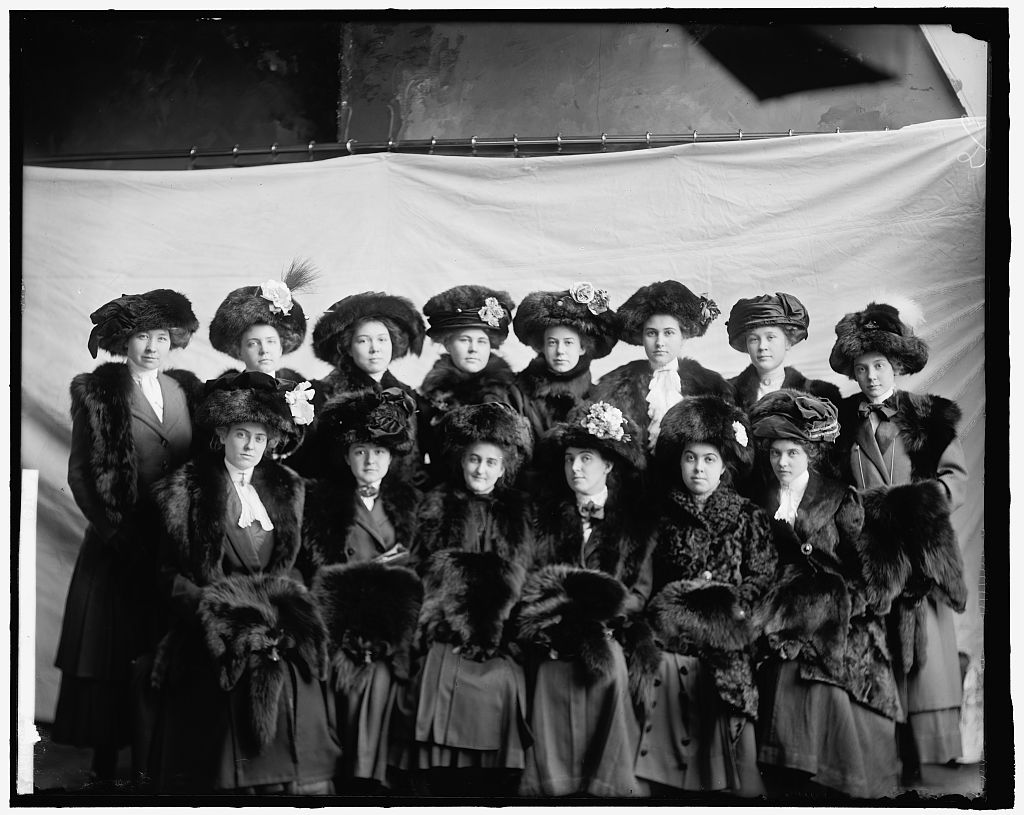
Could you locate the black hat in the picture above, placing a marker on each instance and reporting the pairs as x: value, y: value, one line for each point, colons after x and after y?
x: 370, y: 305
x: 877, y: 329
x: 253, y: 396
x: 693, y: 313
x: 382, y: 418
x: 469, y: 307
x: 582, y: 308
x: 116, y: 322
x: 779, y: 309
x: 705, y: 420
x: 793, y: 414
x: 494, y: 423
x: 602, y: 427
x: 270, y: 304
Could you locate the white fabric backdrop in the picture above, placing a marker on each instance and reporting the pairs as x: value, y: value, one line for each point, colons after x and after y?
x: 835, y: 219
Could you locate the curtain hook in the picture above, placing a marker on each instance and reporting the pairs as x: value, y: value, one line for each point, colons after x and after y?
x: 350, y: 145
x: 310, y: 148
x: 740, y: 135
x: 694, y: 136
x: 273, y: 152
x: 515, y: 144
x: 234, y: 155
x: 789, y: 132
x: 604, y: 141
x: 192, y: 157
x: 433, y: 141
x: 648, y: 138
x: 558, y: 141
x: 837, y: 129
x: 472, y: 142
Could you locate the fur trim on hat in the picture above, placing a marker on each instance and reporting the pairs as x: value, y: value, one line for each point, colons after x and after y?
x: 689, y: 615
x: 370, y: 611
x: 877, y: 329
x: 625, y: 451
x: 460, y: 307
x: 693, y: 313
x: 468, y: 596
x: 230, y: 402
x: 117, y: 321
x: 369, y: 305
x: 567, y: 610
x: 705, y: 420
x: 494, y: 423
x: 252, y: 624
x: 383, y: 418
x: 541, y: 310
x: 245, y: 307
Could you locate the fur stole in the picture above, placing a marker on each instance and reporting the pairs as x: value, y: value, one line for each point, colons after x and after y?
x: 568, y: 613
x: 445, y: 386
x: 745, y: 386
x: 370, y: 610
x: 252, y: 625
x: 449, y: 518
x: 193, y: 501
x: 104, y: 398
x: 549, y: 396
x: 330, y: 514
x: 468, y: 596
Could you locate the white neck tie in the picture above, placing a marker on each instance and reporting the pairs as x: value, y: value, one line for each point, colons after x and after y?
x: 663, y: 392
x: 151, y: 390
x: 787, y: 506
x: 252, y: 508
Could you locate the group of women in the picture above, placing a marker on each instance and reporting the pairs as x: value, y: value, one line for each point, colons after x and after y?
x: 510, y: 583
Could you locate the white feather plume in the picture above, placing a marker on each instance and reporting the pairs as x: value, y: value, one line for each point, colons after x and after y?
x: 910, y: 312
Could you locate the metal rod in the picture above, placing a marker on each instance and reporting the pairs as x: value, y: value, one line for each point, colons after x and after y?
x: 477, y: 144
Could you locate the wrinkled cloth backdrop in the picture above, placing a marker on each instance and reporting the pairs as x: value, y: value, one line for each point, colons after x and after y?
x: 832, y: 218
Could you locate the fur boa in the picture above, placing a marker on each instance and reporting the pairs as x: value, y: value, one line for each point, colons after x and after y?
x: 252, y: 626
x: 549, y: 396
x: 745, y: 386
x: 104, y: 398
x: 567, y: 611
x: 370, y: 610
x: 445, y: 386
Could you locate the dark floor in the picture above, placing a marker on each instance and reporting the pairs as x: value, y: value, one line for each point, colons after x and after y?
x: 59, y: 768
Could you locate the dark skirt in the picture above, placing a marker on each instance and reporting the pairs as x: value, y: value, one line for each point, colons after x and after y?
x: 364, y: 716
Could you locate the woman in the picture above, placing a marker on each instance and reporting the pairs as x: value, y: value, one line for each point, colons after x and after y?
x: 828, y: 695
x: 131, y: 424
x: 243, y: 707
x: 567, y: 329
x: 765, y: 328
x: 660, y: 317
x: 474, y: 544
x: 713, y: 561
x: 470, y: 322
x: 594, y: 539
x: 901, y: 451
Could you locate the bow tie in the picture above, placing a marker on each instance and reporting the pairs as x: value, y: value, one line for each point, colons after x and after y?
x: 591, y: 511
x: 367, y: 491
x: 884, y: 410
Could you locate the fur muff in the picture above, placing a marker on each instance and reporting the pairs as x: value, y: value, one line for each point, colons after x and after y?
x: 541, y: 310
x: 369, y: 305
x: 548, y: 396
x: 568, y: 611
x: 252, y: 625
x: 104, y: 398
x: 746, y: 382
x: 247, y: 397
x: 245, y: 307
x: 643, y: 658
x: 692, y: 616
x: 115, y: 322
x: 370, y: 611
x: 693, y: 313
x: 468, y: 596
x: 461, y: 307
x: 494, y: 423
x: 707, y: 420
x: 877, y: 329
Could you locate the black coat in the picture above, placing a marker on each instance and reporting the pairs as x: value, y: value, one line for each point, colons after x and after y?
x: 746, y: 381
x: 548, y: 396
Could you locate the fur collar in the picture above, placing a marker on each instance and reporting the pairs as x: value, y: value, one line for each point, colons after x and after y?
x: 446, y: 386
x: 538, y: 381
x: 348, y: 377
x: 193, y: 502
x: 818, y: 509
x: 719, y: 511
x: 745, y: 385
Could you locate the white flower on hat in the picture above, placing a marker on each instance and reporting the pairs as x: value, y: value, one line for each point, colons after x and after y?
x: 605, y: 421
x: 279, y: 295
x: 492, y: 312
x: 740, y: 432
x: 299, y: 401
x: 586, y: 294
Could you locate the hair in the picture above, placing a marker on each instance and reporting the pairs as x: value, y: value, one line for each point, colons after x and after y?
x: 121, y: 349
x: 792, y: 333
x: 273, y: 436
x: 587, y: 343
x: 399, y: 340
x: 493, y: 337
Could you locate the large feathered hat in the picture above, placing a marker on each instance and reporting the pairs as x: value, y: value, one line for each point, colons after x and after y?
x: 469, y: 307
x: 115, y: 322
x: 582, y: 307
x: 270, y: 304
x: 599, y: 426
x: 494, y: 423
x: 665, y: 297
x: 705, y: 420
x: 253, y: 396
x: 779, y: 309
x: 877, y: 329
x: 382, y: 418
x: 370, y: 305
x: 793, y: 414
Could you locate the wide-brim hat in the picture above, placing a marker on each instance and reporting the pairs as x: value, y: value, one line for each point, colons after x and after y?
x: 494, y: 423
x: 251, y: 396
x: 779, y: 309
x: 117, y: 321
x: 705, y: 420
x: 793, y: 414
x: 693, y: 313
x: 469, y: 307
x: 369, y: 305
x: 599, y: 426
x: 382, y: 418
x: 877, y: 329
x: 581, y: 307
x: 270, y: 304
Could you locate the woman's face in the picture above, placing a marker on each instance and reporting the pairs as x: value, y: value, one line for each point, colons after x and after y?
x: 371, y: 347
x: 767, y: 347
x: 260, y: 348
x: 149, y: 349
x: 663, y: 341
x: 562, y: 348
x: 482, y: 465
x: 789, y: 460
x: 244, y: 444
x: 702, y: 467
x: 369, y: 462
x: 874, y: 374
x: 469, y: 348
x: 586, y: 471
